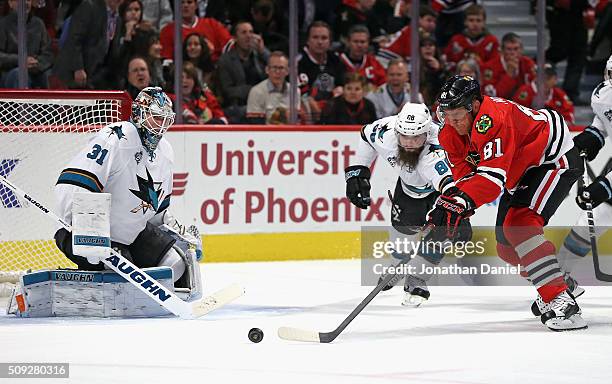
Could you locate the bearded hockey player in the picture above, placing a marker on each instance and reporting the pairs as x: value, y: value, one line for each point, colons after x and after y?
x: 495, y: 146
x: 599, y: 193
x: 131, y: 161
x: 408, y: 141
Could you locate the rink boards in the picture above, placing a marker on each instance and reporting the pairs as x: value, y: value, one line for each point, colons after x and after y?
x: 267, y: 193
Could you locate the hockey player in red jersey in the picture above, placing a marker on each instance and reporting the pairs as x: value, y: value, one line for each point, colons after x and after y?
x: 495, y: 146
x: 475, y: 41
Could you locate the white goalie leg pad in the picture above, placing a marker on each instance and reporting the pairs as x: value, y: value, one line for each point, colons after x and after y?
x: 74, y: 293
x: 175, y: 261
x: 91, y: 225
x: 184, y: 261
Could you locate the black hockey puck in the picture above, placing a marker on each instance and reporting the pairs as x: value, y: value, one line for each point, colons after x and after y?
x: 255, y: 335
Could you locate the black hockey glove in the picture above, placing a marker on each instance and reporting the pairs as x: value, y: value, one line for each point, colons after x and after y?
x: 596, y: 193
x: 589, y: 142
x: 358, y: 185
x: 449, y: 217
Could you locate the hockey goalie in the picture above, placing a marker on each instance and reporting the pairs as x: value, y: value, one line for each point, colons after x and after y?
x: 115, y: 193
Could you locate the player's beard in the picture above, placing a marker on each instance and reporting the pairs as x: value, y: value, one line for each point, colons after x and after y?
x: 408, y: 158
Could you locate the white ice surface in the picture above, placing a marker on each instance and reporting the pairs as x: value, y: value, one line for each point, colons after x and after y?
x: 463, y: 335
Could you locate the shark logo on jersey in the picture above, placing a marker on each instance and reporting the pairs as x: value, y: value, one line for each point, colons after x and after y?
x: 117, y: 130
x: 151, y: 194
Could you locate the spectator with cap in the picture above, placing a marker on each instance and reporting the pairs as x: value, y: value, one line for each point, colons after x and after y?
x: 358, y: 59
x: 240, y: 69
x: 505, y: 73
x: 555, y: 97
x: 268, y: 101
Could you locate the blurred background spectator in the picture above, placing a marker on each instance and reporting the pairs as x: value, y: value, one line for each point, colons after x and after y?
x: 320, y: 72
x: 555, y: 98
x: 137, y: 77
x: 505, y: 73
x: 239, y: 69
x: 200, y: 106
x: 158, y: 13
x: 433, y: 70
x: 450, y: 18
x: 389, y: 98
x: 358, y: 59
x: 351, y: 108
x: 196, y: 51
x: 475, y: 41
x: 39, y: 59
x: 268, y: 101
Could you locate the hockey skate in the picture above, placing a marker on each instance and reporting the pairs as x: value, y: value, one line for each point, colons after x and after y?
x: 416, y: 292
x: 563, y: 314
x: 539, y: 306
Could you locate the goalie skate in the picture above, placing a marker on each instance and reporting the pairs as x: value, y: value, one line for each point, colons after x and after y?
x: 539, y: 306
x: 564, y: 314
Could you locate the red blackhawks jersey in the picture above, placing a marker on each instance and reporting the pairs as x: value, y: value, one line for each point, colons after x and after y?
x: 369, y: 67
x: 399, y: 45
x: 556, y: 100
x: 497, y: 82
x: 484, y: 48
x: 506, y: 139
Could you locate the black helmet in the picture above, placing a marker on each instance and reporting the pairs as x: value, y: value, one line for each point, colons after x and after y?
x: 459, y: 91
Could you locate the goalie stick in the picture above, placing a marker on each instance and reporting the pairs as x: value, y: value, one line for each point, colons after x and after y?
x: 296, y: 334
x: 599, y: 274
x: 145, y: 283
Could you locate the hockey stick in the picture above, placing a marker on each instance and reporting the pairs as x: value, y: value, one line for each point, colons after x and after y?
x: 145, y: 283
x: 296, y: 334
x: 599, y: 274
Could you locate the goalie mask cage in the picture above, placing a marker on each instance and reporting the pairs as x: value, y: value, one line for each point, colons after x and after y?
x: 40, y: 132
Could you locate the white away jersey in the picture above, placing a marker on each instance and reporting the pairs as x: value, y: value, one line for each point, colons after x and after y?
x: 432, y: 172
x: 601, y: 103
x: 116, y: 162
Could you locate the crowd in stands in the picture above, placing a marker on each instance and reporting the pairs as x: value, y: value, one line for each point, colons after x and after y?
x: 354, y: 62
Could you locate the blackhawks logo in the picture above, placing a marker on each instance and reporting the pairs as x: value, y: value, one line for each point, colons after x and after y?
x: 484, y: 124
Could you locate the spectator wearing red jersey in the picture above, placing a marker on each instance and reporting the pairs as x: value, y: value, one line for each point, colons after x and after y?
x: 351, y: 108
x: 556, y: 98
x: 504, y: 74
x: 352, y: 12
x: 200, y: 106
x: 450, y: 18
x: 213, y: 31
x: 357, y: 59
x: 475, y: 41
x: 398, y: 46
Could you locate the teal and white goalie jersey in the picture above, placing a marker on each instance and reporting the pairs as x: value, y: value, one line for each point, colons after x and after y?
x: 116, y: 162
x: 432, y: 172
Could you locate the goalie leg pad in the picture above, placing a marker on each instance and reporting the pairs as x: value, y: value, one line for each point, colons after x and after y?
x: 74, y: 293
x: 150, y: 246
x: 91, y: 225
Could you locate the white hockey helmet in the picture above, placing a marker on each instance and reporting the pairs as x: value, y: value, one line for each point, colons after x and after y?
x: 608, y: 71
x: 414, y: 119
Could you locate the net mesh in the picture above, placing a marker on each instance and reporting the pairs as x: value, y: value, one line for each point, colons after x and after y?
x: 39, y: 133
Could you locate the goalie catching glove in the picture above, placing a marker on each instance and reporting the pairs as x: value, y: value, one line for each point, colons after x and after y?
x: 596, y: 193
x: 449, y: 217
x: 358, y: 185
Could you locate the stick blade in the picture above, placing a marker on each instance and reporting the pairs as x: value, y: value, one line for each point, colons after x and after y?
x: 296, y: 334
x: 216, y: 300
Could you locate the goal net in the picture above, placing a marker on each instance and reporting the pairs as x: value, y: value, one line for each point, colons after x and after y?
x: 40, y: 131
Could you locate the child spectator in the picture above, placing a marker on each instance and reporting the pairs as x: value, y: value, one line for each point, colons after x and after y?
x: 556, y: 98
x: 357, y: 58
x: 39, y: 55
x: 475, y: 41
x: 505, y: 73
x: 200, y: 106
x: 351, y: 108
x: 196, y: 51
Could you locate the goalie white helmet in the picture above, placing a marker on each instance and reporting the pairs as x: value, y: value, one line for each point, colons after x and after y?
x: 152, y: 114
x: 608, y: 71
x: 413, y: 120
